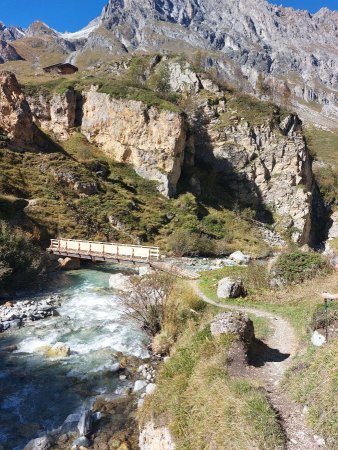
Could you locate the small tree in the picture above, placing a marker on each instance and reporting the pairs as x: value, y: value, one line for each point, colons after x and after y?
x: 147, y: 301
x: 262, y: 87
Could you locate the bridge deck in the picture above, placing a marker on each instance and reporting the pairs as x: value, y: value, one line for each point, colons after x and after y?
x: 104, y: 251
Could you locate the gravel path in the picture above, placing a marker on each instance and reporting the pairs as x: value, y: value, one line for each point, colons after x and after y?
x: 271, y: 364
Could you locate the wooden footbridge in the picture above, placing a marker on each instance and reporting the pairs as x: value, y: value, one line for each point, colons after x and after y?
x: 116, y: 253
x: 104, y: 251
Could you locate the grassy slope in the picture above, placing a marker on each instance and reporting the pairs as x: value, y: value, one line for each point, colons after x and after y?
x: 323, y: 145
x: 204, y: 406
x: 313, y: 380
x: 133, y: 201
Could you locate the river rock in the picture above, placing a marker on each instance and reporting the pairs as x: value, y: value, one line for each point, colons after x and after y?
x: 85, y: 423
x: 70, y: 263
x: 234, y: 323
x: 42, y: 443
x: 230, y: 288
x: 58, y: 350
x: 120, y: 282
x: 81, y: 442
x: 139, y: 385
x: 240, y: 258
x: 150, y: 389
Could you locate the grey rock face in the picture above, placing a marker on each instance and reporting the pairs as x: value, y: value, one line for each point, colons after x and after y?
x: 253, y: 35
x: 242, y: 37
x: 230, y: 288
x: 10, y: 33
x: 8, y: 53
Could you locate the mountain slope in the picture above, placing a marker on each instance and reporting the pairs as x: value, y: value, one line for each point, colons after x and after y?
x: 238, y: 39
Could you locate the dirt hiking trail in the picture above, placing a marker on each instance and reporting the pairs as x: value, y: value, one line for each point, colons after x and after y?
x: 274, y: 358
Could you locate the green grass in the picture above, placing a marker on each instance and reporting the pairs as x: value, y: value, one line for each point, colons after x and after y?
x: 313, y: 381
x: 323, y: 144
x: 313, y: 378
x: 296, y: 303
x: 254, y: 111
x: 203, y: 405
x: 119, y: 88
x: 123, y: 195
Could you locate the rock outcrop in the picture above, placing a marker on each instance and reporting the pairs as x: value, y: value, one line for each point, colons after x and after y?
x: 239, y: 40
x: 8, y: 53
x: 261, y: 165
x: 56, y: 113
x: 150, y: 139
x: 15, y: 115
x: 331, y: 248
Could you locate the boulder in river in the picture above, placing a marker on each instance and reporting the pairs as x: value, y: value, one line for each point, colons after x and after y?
x: 42, y: 443
x: 240, y: 258
x: 58, y: 350
x: 85, y: 423
x: 70, y: 263
x: 120, y: 282
x: 230, y: 288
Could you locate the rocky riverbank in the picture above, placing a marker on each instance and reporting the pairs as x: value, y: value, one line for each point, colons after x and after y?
x: 14, y: 315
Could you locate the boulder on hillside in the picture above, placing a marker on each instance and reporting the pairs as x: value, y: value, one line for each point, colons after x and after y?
x: 234, y: 323
x: 230, y: 288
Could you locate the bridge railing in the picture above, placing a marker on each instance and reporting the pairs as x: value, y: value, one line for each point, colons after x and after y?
x: 107, y: 249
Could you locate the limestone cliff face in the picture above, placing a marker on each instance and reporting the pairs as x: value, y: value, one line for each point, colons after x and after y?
x: 149, y: 139
x: 15, y: 115
x: 267, y: 164
x: 56, y: 114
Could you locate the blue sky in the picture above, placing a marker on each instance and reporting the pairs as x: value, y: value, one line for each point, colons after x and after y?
x: 71, y: 15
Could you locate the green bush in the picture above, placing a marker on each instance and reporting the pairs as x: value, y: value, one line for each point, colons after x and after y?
x: 184, y: 243
x: 18, y: 254
x: 298, y: 266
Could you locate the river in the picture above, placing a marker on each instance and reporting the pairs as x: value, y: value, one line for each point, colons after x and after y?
x: 38, y: 393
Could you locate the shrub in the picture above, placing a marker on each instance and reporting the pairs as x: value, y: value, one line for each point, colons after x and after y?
x: 184, y: 243
x: 18, y: 254
x: 298, y: 266
x: 147, y: 302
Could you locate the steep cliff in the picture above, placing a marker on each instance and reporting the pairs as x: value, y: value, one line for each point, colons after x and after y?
x: 149, y: 139
x: 263, y: 164
x: 56, y: 113
x: 254, y: 150
x: 16, y: 119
